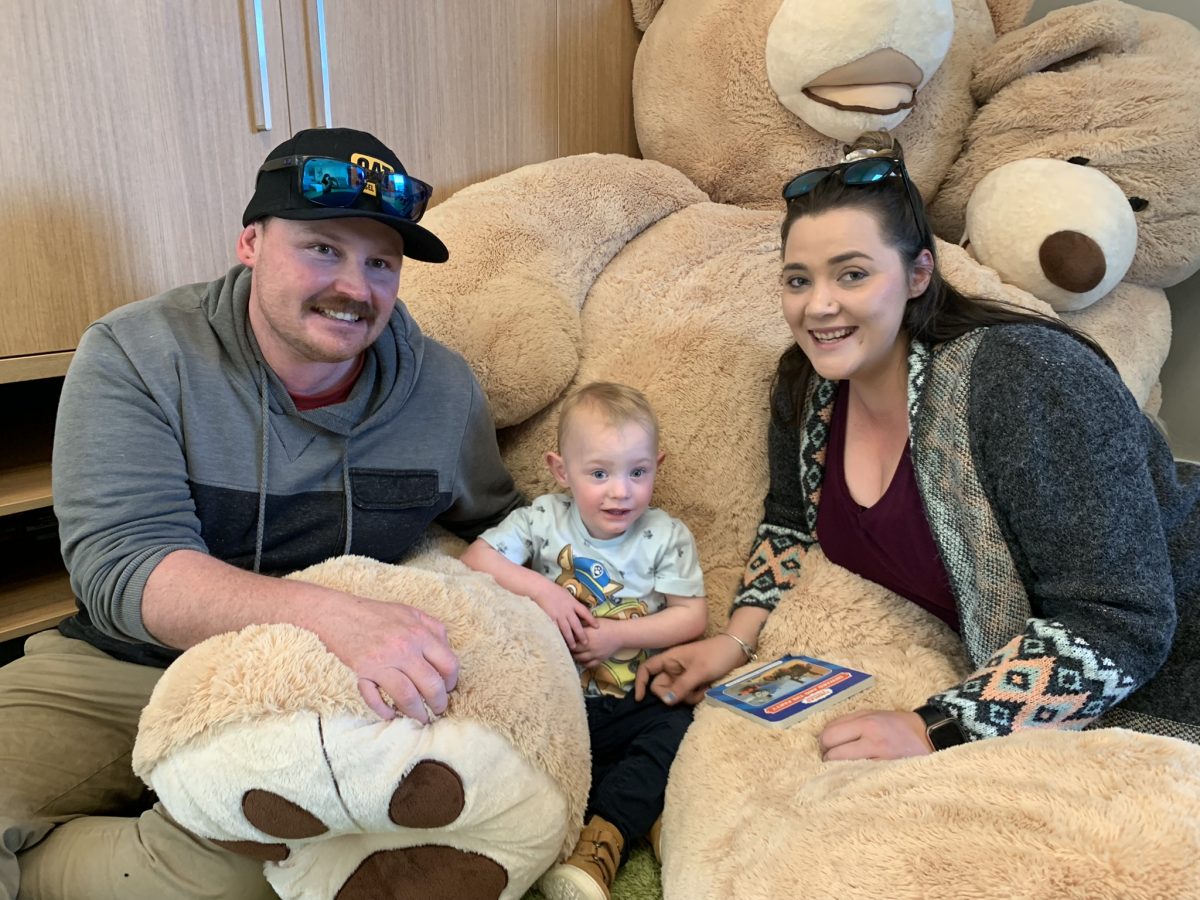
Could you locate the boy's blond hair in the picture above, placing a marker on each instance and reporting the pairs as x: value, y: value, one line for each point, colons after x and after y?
x: 618, y: 403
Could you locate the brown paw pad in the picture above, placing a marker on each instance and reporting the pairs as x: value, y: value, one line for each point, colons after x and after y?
x: 255, y: 850
x: 430, y: 796
x: 280, y: 817
x: 430, y: 873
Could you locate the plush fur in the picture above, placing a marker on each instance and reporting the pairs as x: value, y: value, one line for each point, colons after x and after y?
x: 752, y: 813
x: 269, y: 710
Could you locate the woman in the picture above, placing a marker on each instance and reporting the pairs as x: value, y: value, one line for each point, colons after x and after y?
x: 980, y: 460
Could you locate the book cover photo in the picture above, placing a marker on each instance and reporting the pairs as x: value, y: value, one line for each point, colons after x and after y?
x: 788, y: 689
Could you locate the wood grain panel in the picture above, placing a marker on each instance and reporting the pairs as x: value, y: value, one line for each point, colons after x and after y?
x: 597, y: 42
x: 126, y: 157
x: 461, y: 90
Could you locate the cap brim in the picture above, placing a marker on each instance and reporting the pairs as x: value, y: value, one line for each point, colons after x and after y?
x: 419, y: 243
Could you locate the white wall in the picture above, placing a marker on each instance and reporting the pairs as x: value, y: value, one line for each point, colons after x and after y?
x: 1181, y: 374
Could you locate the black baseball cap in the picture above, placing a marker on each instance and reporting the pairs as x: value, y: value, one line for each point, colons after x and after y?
x: 277, y: 191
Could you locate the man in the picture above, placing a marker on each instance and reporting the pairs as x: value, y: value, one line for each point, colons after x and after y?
x: 211, y: 437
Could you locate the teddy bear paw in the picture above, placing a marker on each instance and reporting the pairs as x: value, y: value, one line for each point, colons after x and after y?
x: 357, y: 807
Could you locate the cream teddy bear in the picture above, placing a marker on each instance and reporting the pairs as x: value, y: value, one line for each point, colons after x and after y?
x: 1080, y: 178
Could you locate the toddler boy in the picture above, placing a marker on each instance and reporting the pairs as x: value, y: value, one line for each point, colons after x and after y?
x: 620, y: 579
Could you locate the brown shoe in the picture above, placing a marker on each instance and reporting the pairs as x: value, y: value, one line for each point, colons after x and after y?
x: 655, y: 839
x: 589, y: 871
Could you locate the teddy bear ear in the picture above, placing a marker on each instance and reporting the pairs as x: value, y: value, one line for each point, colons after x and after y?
x: 1060, y: 36
x: 644, y: 11
x: 1008, y: 14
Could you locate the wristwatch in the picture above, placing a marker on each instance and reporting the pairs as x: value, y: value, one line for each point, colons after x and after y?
x: 942, y: 730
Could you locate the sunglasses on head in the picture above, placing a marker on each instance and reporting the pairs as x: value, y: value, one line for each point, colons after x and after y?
x: 325, y: 181
x: 867, y: 171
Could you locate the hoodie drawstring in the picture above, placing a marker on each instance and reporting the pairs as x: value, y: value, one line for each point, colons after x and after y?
x: 347, y: 495
x: 264, y: 459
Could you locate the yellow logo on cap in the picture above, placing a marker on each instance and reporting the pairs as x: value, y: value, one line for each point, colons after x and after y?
x: 371, y: 164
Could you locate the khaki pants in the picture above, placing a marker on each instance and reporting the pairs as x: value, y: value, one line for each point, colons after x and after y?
x: 73, y: 818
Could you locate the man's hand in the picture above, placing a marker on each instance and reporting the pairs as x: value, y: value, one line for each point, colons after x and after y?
x: 686, y: 671
x: 390, y: 647
x: 874, y: 734
x: 572, y: 617
x: 603, y: 642
x: 396, y: 650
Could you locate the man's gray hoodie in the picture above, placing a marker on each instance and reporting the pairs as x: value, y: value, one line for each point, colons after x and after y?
x: 173, y: 434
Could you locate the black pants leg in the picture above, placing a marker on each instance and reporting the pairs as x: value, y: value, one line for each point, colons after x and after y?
x: 633, y: 746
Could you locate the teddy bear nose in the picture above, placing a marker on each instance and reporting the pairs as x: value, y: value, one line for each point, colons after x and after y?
x: 1072, y: 261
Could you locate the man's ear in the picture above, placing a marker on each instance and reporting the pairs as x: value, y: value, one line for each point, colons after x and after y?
x: 248, y: 243
x: 644, y: 12
x: 922, y: 272
x: 557, y: 467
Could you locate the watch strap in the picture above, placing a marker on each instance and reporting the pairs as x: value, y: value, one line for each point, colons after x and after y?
x: 942, y: 730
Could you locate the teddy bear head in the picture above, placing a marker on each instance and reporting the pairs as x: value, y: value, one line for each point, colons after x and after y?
x: 1061, y: 230
x: 741, y: 95
x: 1082, y: 166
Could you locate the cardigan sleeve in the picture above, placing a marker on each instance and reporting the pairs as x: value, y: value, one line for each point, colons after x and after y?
x: 782, y: 538
x: 1060, y: 448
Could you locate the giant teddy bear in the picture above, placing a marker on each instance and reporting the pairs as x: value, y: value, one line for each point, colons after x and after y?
x: 663, y: 273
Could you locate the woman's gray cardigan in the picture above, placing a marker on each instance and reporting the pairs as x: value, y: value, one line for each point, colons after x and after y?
x: 1070, y: 536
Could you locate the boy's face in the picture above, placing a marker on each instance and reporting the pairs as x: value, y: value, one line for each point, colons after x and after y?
x: 609, y: 469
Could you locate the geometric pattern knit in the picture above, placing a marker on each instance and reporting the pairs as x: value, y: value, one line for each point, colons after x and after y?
x: 1043, y: 678
x: 779, y: 549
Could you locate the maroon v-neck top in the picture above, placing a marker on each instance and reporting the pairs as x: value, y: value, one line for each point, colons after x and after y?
x: 889, y: 543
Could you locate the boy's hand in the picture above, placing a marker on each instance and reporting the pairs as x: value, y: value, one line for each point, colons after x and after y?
x: 602, y: 643
x: 571, y: 616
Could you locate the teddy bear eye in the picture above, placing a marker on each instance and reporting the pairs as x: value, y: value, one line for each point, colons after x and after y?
x: 1079, y: 160
x: 1138, y: 203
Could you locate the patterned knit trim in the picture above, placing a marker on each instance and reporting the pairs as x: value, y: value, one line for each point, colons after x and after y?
x: 919, y: 358
x: 773, y: 566
x: 1136, y: 721
x: 992, y: 602
x: 814, y: 442
x: 1046, y: 677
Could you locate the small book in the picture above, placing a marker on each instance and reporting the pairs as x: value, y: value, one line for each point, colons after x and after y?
x: 788, y: 689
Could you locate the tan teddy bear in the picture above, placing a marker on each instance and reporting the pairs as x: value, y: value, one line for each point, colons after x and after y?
x: 260, y: 741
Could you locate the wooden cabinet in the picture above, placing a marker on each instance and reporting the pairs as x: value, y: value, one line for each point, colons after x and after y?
x: 133, y: 129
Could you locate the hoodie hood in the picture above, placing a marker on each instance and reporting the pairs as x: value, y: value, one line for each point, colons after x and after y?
x: 389, y: 374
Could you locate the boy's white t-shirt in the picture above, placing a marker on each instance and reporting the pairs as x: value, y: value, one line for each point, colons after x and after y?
x: 623, y: 577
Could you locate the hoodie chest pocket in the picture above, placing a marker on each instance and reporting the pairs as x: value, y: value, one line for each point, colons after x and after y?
x: 392, y: 509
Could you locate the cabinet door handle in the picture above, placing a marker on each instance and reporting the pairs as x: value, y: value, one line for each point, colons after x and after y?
x: 262, y: 98
x: 321, y: 65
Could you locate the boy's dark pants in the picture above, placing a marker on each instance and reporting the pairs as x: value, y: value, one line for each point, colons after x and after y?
x: 633, y: 745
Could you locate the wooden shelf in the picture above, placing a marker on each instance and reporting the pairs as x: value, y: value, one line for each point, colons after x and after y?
x: 29, y: 368
x: 25, y: 487
x: 34, y: 604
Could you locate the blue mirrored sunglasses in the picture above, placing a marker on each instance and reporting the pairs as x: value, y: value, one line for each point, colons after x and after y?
x: 325, y: 181
x: 871, y: 170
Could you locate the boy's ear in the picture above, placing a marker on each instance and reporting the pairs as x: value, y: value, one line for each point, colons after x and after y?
x: 662, y: 454
x: 557, y: 467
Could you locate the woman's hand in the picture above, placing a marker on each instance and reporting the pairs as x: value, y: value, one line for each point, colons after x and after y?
x: 874, y: 734
x: 686, y: 671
